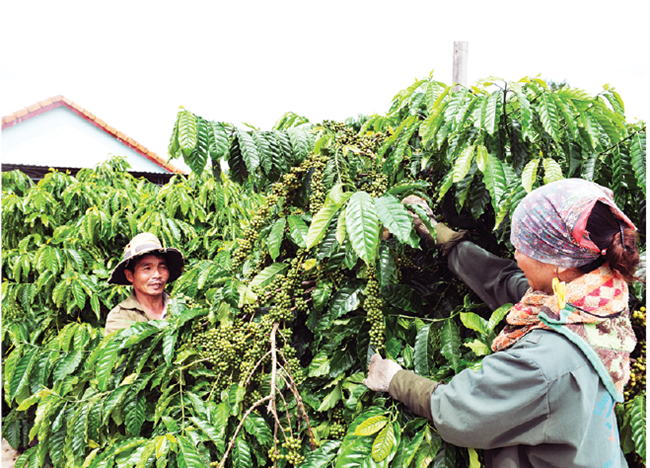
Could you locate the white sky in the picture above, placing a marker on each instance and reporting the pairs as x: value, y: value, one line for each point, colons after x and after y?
x: 133, y: 63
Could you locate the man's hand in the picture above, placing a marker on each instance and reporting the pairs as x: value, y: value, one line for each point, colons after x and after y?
x: 380, y: 373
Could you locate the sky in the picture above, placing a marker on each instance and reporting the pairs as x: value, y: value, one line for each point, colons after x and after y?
x: 133, y: 63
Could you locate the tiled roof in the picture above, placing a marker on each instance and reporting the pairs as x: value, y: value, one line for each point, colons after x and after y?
x: 57, y: 101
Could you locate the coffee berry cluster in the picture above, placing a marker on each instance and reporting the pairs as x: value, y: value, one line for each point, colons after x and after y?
x: 280, y: 191
x: 292, y: 447
x: 316, y: 186
x: 231, y: 349
x: 372, y: 304
x: 338, y: 428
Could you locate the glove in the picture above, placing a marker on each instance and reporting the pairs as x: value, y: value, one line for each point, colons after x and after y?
x: 420, y: 227
x: 446, y: 238
x: 380, y: 373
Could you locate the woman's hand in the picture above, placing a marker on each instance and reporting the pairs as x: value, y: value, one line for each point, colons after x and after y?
x: 380, y: 373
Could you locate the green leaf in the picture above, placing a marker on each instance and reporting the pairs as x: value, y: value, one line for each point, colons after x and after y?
x: 320, y: 223
x: 552, y: 171
x: 426, y: 453
x: 473, y: 458
x: 322, y: 456
x: 300, y: 143
x: 403, y: 297
x: 78, y: 428
x: 450, y: 341
x: 384, y: 443
x: 113, y: 400
x: 362, y: 222
x: 341, y: 361
x: 188, y: 456
x: 495, y: 180
x: 481, y: 157
x: 421, y: 354
x: 106, y: 362
x: 371, y: 425
x: 321, y: 294
x: 478, y: 347
x: 386, y: 266
x: 410, y: 449
x: 394, y: 216
x: 498, y: 315
x: 355, y: 454
x: 169, y: 343
x: 340, y: 228
x: 67, y: 364
x: 186, y: 131
x: 134, y: 407
x: 213, y: 433
x: 268, y: 274
x: 298, y: 230
x: 638, y: 423
x: 638, y: 159
x: 236, y: 163
x: 241, y: 454
x: 548, y: 115
x: 475, y: 322
x: 275, y: 237
x: 346, y: 299
x: 248, y: 150
x: 20, y: 376
x: 218, y: 140
x: 320, y: 365
x: 463, y: 164
x: 492, y: 113
x: 257, y: 426
x: 198, y: 157
x: 331, y: 399
x: 220, y: 419
x: 529, y: 175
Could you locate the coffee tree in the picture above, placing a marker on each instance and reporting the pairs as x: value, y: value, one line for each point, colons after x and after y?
x: 302, y: 263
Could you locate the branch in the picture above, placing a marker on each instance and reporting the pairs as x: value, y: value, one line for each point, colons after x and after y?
x: 294, y: 389
x: 241, y: 423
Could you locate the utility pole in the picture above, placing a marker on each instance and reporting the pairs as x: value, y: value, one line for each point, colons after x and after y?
x: 460, y: 63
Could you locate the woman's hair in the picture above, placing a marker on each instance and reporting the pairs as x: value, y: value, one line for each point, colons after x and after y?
x: 616, y: 238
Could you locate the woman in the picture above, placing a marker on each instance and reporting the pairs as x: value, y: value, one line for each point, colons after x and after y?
x: 545, y: 398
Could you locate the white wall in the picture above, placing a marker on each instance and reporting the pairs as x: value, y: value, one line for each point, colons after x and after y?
x: 61, y: 138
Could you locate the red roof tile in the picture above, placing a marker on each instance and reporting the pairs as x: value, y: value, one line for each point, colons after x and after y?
x: 56, y: 101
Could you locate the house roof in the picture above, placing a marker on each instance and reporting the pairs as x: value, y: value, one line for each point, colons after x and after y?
x: 58, y: 101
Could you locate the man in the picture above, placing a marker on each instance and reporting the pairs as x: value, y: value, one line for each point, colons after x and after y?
x: 148, y: 267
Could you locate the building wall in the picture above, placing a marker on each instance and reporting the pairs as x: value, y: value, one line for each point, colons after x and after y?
x: 61, y: 138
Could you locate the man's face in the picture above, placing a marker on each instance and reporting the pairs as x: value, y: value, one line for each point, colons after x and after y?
x: 149, y: 275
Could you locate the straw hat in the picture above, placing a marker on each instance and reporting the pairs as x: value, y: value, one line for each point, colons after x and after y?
x: 147, y: 243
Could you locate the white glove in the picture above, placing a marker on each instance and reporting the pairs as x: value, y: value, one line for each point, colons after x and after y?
x: 380, y: 373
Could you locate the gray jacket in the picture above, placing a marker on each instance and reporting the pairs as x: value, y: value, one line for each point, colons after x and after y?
x: 538, y: 403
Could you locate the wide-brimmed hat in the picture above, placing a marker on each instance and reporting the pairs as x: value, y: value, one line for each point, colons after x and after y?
x: 143, y: 244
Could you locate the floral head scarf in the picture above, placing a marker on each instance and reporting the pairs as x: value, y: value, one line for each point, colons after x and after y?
x: 549, y: 225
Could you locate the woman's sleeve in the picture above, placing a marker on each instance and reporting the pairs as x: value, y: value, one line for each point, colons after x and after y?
x: 505, y: 403
x: 495, y: 280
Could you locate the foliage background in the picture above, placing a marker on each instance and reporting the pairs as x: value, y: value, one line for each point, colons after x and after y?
x: 301, y: 263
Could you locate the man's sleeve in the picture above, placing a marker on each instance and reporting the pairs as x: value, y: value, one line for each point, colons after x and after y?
x: 495, y: 280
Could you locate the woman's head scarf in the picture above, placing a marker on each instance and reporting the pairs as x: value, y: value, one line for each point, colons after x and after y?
x: 549, y: 225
